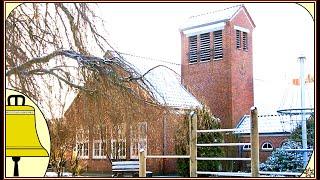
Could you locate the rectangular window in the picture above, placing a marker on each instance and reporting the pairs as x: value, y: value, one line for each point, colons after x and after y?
x: 118, y: 149
x: 245, y: 40
x: 99, y: 142
x: 138, y: 134
x: 82, y: 144
x: 193, y: 49
x: 118, y: 143
x: 205, y: 47
x: 217, y: 45
x: 238, y: 38
x: 99, y: 150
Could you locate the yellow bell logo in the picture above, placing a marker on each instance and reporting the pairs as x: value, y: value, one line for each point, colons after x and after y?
x: 21, y: 133
x: 21, y: 136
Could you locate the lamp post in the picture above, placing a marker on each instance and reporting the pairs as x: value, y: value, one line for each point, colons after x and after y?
x: 302, y: 60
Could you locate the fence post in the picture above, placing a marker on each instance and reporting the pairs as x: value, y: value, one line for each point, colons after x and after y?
x: 193, y: 143
x: 254, y: 138
x: 142, y: 163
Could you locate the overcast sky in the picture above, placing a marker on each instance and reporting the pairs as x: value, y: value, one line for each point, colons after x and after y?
x: 283, y: 32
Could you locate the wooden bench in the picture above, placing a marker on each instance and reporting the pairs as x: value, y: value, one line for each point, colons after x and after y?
x: 125, y: 168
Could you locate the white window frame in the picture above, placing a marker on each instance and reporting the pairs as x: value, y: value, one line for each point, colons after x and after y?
x: 98, y: 139
x: 267, y: 148
x: 119, y: 144
x: 134, y: 143
x: 241, y: 29
x: 246, y: 147
x: 100, y: 149
x: 137, y: 141
x: 82, y: 139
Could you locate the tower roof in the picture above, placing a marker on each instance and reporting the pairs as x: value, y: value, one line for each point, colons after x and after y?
x: 214, y: 17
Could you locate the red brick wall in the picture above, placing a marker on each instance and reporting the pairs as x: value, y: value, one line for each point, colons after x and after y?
x: 276, y: 142
x: 161, y: 128
x: 209, y: 81
x: 241, y: 70
x: 218, y: 83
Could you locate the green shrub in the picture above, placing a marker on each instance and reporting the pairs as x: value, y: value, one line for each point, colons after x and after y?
x: 205, y: 121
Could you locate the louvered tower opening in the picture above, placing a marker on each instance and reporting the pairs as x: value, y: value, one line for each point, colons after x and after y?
x: 192, y: 49
x: 217, y: 44
x: 205, y: 47
x: 245, y: 41
x: 238, y: 38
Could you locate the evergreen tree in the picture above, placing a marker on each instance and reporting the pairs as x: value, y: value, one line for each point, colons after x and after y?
x: 205, y: 121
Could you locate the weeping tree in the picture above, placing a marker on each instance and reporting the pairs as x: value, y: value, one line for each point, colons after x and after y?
x: 205, y: 121
x: 57, y: 51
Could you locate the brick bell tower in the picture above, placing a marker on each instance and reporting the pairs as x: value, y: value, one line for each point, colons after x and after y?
x: 216, y: 58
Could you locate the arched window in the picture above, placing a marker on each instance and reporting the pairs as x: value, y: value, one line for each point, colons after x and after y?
x: 267, y: 146
x: 246, y: 147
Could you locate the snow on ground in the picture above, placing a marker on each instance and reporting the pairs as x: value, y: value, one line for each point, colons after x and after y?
x: 54, y: 174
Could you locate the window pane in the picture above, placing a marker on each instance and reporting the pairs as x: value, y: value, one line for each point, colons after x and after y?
x: 267, y: 146
x: 103, y: 149
x: 96, y: 149
x: 86, y: 149
x: 113, y: 149
x: 134, y: 142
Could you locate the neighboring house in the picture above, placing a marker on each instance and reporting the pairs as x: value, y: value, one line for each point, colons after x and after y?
x: 216, y: 62
x: 119, y: 129
x: 273, y: 131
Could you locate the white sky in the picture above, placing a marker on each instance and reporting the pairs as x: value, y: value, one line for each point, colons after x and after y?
x: 283, y: 32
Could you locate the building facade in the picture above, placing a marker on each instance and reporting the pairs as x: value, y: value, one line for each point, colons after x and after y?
x: 274, y: 130
x: 216, y: 53
x: 113, y: 125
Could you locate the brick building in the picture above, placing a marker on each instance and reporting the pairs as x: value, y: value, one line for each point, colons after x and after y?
x: 217, y: 67
x: 107, y: 131
x: 274, y: 130
x: 217, y: 62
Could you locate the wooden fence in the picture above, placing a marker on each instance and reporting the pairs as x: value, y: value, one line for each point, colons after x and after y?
x: 254, y: 142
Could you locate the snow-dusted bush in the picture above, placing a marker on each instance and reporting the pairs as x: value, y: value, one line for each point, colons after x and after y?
x: 281, y: 160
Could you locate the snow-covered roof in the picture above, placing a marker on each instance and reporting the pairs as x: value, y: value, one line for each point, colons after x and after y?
x: 164, y: 80
x: 210, y: 17
x: 268, y: 124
